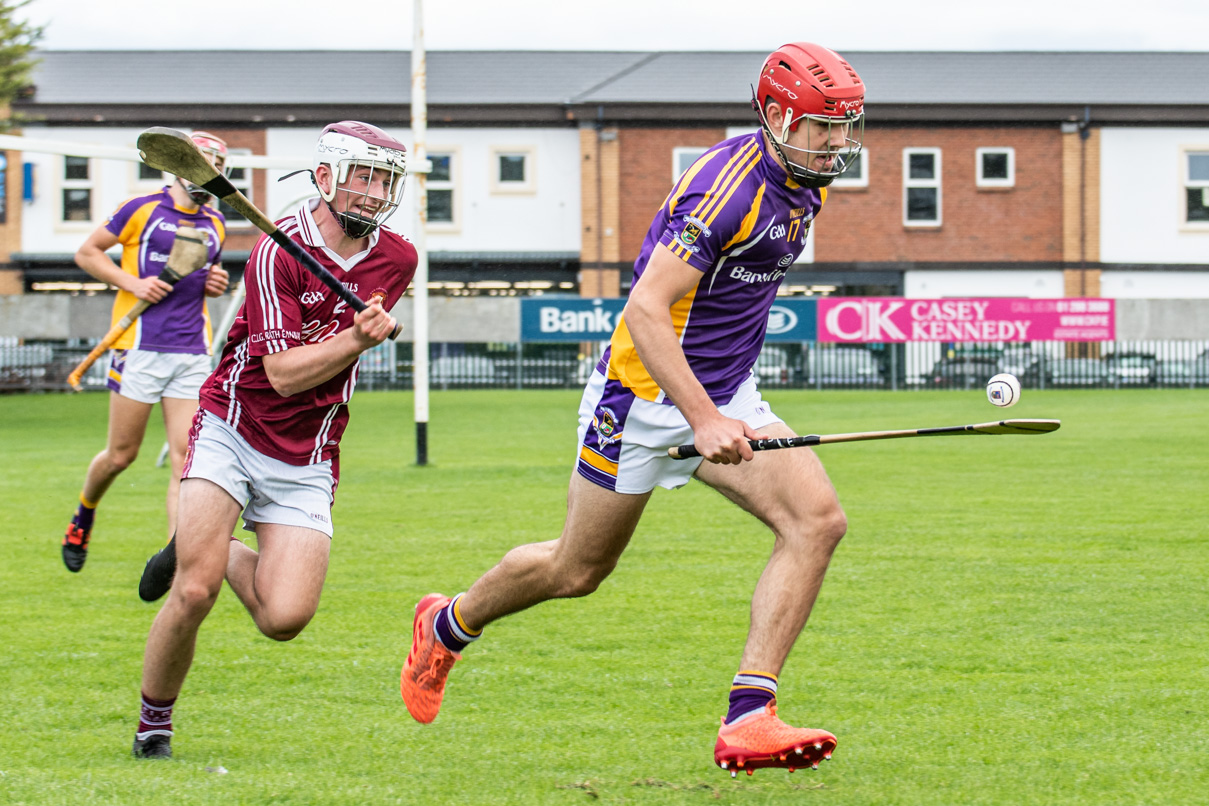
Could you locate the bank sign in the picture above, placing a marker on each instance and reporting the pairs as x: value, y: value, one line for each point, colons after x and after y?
x: 569, y: 319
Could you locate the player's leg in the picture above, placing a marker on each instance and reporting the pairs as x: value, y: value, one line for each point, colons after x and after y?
x: 178, y: 417
x: 789, y: 491
x: 207, y: 516
x: 280, y: 584
x: 598, y: 527
x: 183, y: 375
x: 127, y: 425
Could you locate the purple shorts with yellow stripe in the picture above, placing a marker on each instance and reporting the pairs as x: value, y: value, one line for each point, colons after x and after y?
x: 623, y: 439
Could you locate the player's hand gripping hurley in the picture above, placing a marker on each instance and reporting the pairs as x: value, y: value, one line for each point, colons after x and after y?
x: 189, y: 253
x: 172, y: 151
x: 1000, y: 427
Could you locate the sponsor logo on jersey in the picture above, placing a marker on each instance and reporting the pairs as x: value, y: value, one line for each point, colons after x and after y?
x: 785, y: 261
x: 743, y: 275
x: 311, y: 298
x: 158, y: 257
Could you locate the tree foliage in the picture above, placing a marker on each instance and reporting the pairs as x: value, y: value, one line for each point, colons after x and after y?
x: 18, y: 38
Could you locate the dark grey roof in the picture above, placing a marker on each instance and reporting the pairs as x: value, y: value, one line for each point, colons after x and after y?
x: 579, y: 77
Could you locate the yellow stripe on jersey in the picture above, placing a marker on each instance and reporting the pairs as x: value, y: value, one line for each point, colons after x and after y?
x: 597, y: 461
x: 822, y: 198
x: 673, y: 198
x: 131, y: 239
x: 721, y: 183
x: 730, y: 191
x: 711, y: 210
x: 749, y: 221
x: 624, y: 363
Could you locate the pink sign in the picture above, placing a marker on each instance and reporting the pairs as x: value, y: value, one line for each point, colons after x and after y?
x: 894, y: 319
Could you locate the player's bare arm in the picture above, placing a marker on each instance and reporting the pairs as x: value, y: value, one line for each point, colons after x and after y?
x: 306, y: 366
x: 667, y: 279
x: 217, y: 281
x: 91, y: 258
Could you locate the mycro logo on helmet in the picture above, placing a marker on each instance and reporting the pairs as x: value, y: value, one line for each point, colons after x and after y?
x: 781, y: 88
x: 851, y: 105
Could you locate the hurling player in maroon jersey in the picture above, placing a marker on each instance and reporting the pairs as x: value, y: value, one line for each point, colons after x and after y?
x: 266, y: 439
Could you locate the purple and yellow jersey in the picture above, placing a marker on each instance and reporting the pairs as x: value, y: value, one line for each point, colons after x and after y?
x: 736, y: 217
x: 145, y: 226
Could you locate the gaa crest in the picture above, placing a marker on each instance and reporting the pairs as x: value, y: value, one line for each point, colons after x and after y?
x: 605, y: 423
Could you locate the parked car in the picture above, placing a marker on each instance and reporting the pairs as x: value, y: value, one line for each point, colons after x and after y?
x: 462, y: 370
x: 1021, y: 361
x: 1131, y: 369
x: 962, y: 372
x: 773, y: 367
x: 843, y: 366
x: 1181, y: 373
x: 1073, y: 372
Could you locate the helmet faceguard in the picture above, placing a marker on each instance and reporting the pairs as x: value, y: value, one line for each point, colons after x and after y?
x: 345, y: 148
x: 215, y: 148
x: 810, y: 82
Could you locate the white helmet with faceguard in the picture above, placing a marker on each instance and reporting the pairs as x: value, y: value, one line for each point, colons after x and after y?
x: 811, y: 82
x: 360, y: 206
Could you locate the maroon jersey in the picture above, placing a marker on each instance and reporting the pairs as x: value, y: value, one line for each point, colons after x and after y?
x: 286, y: 306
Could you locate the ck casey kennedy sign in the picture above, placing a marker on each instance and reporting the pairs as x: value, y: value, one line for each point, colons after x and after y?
x: 891, y: 319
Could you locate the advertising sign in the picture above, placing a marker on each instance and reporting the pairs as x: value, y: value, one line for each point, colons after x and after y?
x: 893, y: 319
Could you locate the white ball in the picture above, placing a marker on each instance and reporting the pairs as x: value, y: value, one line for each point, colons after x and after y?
x: 1003, y: 390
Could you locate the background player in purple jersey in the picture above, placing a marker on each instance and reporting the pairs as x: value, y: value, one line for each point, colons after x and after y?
x: 679, y: 368
x: 266, y: 439
x: 164, y: 357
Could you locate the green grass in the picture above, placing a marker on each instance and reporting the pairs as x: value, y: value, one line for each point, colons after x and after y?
x: 1009, y: 620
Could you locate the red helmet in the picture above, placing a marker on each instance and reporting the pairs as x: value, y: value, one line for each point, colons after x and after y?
x: 810, y: 81
x: 215, y: 148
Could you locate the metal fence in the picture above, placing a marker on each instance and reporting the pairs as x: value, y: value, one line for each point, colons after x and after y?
x: 44, y: 366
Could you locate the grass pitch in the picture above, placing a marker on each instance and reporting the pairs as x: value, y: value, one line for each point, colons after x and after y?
x: 1009, y: 620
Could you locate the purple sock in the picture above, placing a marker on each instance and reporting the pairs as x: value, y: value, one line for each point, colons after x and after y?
x: 750, y: 692
x: 83, y: 517
x: 451, y: 631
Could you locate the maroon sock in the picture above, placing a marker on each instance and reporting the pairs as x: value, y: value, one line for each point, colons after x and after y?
x: 155, y: 717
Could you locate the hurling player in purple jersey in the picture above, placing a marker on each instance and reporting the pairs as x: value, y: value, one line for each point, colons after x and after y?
x: 165, y: 355
x: 265, y: 441
x: 678, y: 369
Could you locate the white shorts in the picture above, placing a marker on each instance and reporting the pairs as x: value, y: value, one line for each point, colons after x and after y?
x: 623, y: 440
x: 147, y: 376
x: 270, y: 491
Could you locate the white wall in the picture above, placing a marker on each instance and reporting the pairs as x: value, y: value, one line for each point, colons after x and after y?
x: 1141, y: 189
x: 113, y: 182
x: 930, y: 284
x: 1156, y: 284
x: 546, y: 220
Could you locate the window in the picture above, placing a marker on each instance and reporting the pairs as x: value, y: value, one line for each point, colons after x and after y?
x: 1196, y: 187
x: 683, y: 159
x: 996, y: 167
x: 512, y: 170
x: 77, y: 189
x: 148, y: 174
x: 921, y: 187
x: 241, y: 178
x: 857, y: 173
x: 441, y: 207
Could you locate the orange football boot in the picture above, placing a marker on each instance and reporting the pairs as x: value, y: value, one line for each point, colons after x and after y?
x: 422, y: 682
x: 764, y: 740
